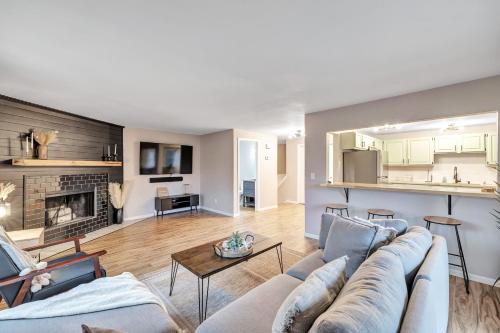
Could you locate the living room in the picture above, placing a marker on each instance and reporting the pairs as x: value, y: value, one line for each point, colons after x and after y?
x: 249, y: 167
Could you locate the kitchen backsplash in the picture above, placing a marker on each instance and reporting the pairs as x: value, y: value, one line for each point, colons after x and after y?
x: 471, y: 168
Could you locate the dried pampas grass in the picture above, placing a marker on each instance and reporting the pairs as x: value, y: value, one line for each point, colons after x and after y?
x: 6, y: 189
x: 45, y: 138
x: 118, y: 194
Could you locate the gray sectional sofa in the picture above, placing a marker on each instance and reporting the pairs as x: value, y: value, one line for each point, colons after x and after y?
x: 425, y: 308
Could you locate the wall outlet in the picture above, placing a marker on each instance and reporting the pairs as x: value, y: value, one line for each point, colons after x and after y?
x: 313, y: 175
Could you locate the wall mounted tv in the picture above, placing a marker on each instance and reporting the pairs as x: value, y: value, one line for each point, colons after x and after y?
x: 165, y: 158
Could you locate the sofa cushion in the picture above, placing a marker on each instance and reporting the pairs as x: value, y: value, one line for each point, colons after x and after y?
x: 435, y: 269
x: 411, y: 248
x: 399, y: 225
x: 306, y: 266
x: 421, y: 314
x: 373, y: 300
x: 349, y: 237
x: 311, y: 298
x: 146, y: 318
x: 253, y: 312
x: 326, y: 222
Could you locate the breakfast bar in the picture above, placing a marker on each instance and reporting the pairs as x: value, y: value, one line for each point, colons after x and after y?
x: 450, y: 190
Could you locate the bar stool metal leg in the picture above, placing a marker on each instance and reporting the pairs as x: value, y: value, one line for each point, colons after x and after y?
x: 347, y: 212
x: 462, y: 259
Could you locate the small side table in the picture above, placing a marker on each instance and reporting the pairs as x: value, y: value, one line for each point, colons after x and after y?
x: 28, y: 237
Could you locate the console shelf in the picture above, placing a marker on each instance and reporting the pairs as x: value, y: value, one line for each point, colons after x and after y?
x: 64, y: 163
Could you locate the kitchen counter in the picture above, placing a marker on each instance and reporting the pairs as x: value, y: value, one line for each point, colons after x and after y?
x: 443, y: 189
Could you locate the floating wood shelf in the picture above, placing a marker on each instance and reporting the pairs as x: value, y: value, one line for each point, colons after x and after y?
x: 64, y: 163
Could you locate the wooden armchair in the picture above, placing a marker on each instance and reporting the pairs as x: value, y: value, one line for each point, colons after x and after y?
x: 66, y: 273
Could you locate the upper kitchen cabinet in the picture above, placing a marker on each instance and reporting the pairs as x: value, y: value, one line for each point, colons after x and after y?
x: 472, y: 143
x: 446, y: 144
x: 464, y: 143
x: 420, y: 151
x: 492, y: 149
x: 356, y: 141
x: 395, y: 152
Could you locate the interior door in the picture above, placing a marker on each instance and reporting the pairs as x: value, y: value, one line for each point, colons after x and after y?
x: 300, y: 174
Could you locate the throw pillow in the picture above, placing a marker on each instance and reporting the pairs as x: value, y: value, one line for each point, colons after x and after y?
x: 384, y: 236
x: 311, y: 298
x: 352, y: 238
x: 411, y: 248
x: 326, y: 223
x: 87, y: 329
x: 373, y: 300
x: 399, y: 224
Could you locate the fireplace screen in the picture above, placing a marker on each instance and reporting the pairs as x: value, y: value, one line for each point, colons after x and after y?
x: 62, y: 208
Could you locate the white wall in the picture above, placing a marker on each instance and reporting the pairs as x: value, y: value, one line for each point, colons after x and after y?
x: 479, y: 233
x: 140, y: 202
x: 288, y: 190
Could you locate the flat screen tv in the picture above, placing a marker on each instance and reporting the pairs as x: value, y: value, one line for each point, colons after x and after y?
x: 165, y: 158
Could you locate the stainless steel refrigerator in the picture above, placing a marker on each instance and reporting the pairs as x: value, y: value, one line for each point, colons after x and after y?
x: 363, y: 166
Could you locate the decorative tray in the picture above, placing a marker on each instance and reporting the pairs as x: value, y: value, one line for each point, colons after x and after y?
x: 222, y: 249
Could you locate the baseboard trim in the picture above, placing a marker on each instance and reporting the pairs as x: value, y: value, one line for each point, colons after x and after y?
x: 145, y: 216
x: 474, y: 277
x: 313, y: 236
x: 261, y: 209
x: 221, y: 212
x: 153, y: 214
x: 291, y: 202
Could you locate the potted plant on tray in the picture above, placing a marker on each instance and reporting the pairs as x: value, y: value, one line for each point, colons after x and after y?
x: 117, y: 196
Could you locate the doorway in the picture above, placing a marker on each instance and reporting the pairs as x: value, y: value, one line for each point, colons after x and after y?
x: 247, y: 174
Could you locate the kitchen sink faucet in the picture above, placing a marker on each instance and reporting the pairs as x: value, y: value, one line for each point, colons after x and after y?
x: 455, y: 175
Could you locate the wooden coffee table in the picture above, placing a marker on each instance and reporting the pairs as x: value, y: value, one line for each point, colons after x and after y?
x: 203, y: 262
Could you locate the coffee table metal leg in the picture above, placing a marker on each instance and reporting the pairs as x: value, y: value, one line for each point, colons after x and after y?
x: 280, y: 257
x: 203, y: 298
x: 173, y: 275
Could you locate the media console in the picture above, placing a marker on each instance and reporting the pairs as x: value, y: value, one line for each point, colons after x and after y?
x: 171, y: 202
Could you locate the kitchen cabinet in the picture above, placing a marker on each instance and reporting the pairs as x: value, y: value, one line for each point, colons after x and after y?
x: 446, y: 144
x: 420, y: 151
x: 378, y: 144
x: 463, y: 143
x: 395, y: 152
x: 492, y: 149
x: 356, y: 141
x: 472, y: 143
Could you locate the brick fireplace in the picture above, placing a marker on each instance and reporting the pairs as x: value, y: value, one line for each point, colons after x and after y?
x: 66, y: 205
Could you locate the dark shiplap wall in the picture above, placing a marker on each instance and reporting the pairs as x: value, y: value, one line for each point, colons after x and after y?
x: 78, y: 139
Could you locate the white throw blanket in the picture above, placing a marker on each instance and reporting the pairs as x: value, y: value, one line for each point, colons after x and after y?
x: 99, y: 295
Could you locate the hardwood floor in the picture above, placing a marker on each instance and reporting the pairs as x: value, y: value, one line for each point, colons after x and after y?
x: 146, y: 246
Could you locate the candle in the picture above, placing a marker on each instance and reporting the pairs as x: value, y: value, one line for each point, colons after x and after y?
x: 115, y: 148
x: 27, y: 147
x: 31, y: 140
x: 109, y: 154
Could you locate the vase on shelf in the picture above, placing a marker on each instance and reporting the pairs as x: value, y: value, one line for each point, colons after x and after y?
x: 43, y: 152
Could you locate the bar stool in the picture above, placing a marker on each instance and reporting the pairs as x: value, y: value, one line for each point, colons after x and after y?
x: 448, y: 221
x: 338, y: 207
x: 380, y: 212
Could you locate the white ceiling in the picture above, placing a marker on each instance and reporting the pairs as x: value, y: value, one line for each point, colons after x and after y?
x: 202, y: 66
